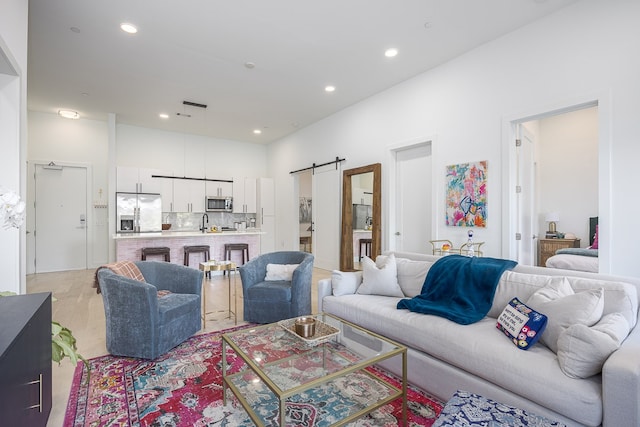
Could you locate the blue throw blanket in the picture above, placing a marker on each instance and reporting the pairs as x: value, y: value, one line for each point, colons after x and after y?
x: 459, y: 288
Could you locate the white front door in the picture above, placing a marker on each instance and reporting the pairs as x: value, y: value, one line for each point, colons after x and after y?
x: 413, y: 199
x: 326, y: 217
x: 61, y: 218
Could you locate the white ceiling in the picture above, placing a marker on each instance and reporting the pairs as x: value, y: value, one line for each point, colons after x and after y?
x: 196, y: 50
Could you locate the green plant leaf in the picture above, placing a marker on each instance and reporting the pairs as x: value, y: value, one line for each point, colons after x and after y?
x: 7, y: 294
x: 63, y: 343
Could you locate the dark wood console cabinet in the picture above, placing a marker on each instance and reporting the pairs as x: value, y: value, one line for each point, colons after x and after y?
x: 25, y: 360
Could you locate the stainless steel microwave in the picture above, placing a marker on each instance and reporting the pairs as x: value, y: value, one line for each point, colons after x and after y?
x: 218, y: 204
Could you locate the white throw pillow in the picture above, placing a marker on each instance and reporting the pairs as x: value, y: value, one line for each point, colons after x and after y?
x: 380, y: 280
x: 280, y: 271
x: 345, y: 282
x: 564, y: 308
x: 582, y: 350
x: 512, y: 284
x: 411, y: 275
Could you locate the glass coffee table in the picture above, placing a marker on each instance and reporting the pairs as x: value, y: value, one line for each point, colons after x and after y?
x: 277, y: 373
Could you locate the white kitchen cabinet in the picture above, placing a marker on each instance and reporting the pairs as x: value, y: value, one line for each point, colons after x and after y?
x: 188, y: 195
x: 267, y: 226
x: 166, y: 192
x: 137, y: 180
x: 266, y: 197
x: 361, y: 196
x: 244, y: 195
x: 195, y: 160
x: 266, y: 219
x: 219, y: 189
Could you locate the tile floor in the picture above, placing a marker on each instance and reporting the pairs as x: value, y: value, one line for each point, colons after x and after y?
x: 79, y: 308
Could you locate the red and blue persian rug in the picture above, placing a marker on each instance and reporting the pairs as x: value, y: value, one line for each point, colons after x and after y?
x: 183, y: 388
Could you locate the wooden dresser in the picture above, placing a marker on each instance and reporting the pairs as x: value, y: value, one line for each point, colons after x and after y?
x: 25, y: 360
x: 548, y: 247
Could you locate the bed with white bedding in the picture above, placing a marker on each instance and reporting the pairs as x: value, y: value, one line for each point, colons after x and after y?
x: 579, y: 259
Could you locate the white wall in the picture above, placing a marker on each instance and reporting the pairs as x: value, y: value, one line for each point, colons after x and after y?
x: 86, y: 142
x: 13, y: 90
x: 568, y: 170
x: 583, y: 51
x: 71, y: 142
x: 200, y: 155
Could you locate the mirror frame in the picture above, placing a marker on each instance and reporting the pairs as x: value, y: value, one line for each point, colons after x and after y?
x: 346, y: 238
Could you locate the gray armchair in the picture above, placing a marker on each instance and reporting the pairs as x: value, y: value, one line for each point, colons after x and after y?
x: 142, y: 324
x: 271, y: 301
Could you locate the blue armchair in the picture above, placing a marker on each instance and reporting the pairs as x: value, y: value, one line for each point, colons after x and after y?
x: 268, y: 301
x: 140, y: 323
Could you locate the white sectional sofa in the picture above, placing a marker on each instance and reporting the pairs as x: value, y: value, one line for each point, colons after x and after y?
x: 444, y: 356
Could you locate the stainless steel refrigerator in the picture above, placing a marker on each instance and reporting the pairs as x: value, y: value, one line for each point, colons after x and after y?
x: 138, y: 212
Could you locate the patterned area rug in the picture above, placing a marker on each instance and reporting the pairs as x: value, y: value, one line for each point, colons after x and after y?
x: 183, y: 388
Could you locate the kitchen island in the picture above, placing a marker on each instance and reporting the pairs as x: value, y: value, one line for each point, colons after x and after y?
x: 129, y: 245
x: 357, y: 235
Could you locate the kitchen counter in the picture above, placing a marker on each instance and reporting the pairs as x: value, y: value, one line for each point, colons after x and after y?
x: 129, y: 245
x: 193, y: 233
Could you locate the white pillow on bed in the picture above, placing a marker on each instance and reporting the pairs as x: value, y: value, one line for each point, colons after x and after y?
x: 573, y: 262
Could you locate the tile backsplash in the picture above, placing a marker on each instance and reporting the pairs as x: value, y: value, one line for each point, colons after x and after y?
x: 187, y: 221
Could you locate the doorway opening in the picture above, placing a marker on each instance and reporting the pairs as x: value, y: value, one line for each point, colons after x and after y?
x: 305, y: 211
x: 554, y: 175
x: 318, y: 202
x: 413, y: 196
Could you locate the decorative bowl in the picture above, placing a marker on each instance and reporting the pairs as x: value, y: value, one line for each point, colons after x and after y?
x: 305, y: 326
x: 166, y: 226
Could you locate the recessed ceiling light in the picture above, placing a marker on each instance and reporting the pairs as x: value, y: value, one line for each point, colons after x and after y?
x: 330, y: 88
x: 128, y: 28
x: 250, y: 65
x: 68, y: 114
x: 75, y: 29
x: 390, y: 53
x: 257, y: 131
x: 163, y: 116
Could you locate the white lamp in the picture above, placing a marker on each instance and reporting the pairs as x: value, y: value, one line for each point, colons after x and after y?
x: 552, y: 218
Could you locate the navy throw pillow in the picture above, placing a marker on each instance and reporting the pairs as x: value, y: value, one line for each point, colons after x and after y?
x: 521, y: 323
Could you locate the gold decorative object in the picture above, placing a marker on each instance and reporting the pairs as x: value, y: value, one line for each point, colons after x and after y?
x: 305, y: 326
x: 323, y: 332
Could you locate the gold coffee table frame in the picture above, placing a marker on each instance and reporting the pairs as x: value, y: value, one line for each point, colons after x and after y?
x: 348, y: 339
x: 217, y: 266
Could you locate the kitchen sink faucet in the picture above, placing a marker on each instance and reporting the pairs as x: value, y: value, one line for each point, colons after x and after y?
x: 203, y: 228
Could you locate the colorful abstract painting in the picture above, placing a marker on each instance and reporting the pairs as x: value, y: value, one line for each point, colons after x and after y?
x: 466, y: 204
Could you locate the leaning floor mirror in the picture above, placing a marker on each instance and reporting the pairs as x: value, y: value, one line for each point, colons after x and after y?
x: 361, y: 205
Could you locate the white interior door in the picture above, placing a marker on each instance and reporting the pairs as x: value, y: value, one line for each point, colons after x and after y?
x: 525, y: 197
x: 413, y: 199
x: 326, y: 217
x: 61, y: 218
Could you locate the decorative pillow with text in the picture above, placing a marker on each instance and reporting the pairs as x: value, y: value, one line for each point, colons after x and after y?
x: 522, y: 324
